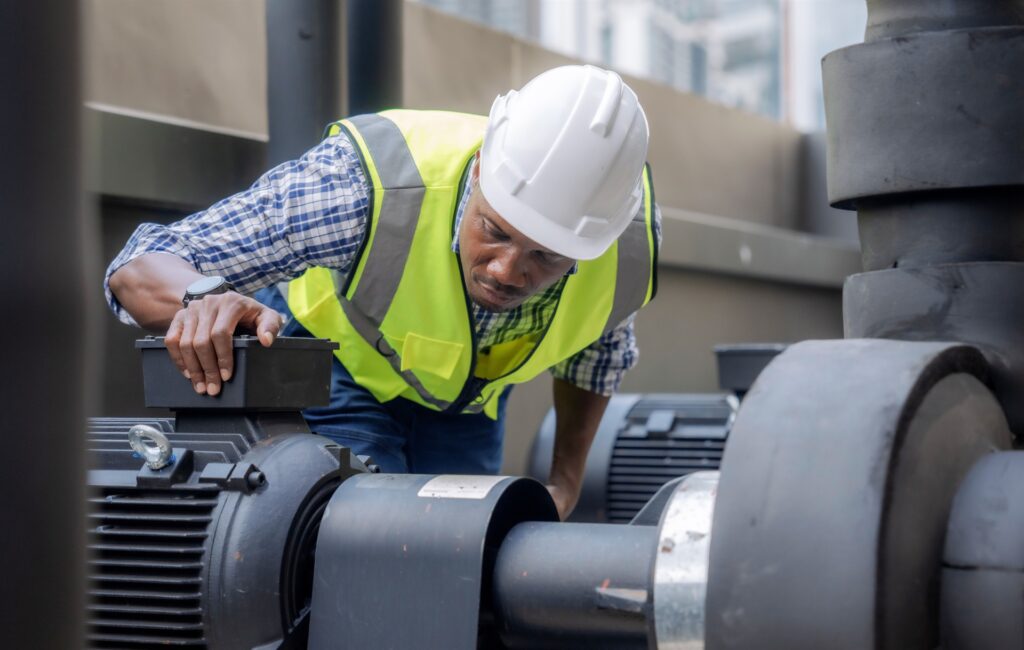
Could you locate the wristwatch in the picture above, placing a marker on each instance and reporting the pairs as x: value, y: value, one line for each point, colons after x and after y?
x: 205, y: 287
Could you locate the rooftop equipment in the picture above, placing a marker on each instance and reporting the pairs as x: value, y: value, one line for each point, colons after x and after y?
x: 204, y: 535
x: 867, y: 498
x: 646, y: 440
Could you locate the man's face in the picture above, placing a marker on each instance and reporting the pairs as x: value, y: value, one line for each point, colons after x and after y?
x: 501, y: 266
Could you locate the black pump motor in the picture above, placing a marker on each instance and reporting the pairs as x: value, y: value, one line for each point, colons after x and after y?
x: 215, y: 547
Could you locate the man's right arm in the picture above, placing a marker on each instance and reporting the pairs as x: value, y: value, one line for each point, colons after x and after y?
x: 150, y: 288
x: 309, y: 212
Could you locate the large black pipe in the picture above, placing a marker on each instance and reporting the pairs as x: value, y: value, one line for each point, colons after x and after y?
x: 303, y: 74
x: 926, y: 143
x: 927, y: 229
x: 306, y: 48
x: 44, y: 326
x: 373, y: 34
x: 574, y: 585
x: 887, y: 18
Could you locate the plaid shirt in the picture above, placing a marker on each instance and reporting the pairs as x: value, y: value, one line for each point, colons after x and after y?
x: 314, y: 212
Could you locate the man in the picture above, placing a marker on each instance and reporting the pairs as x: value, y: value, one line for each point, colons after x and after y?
x: 450, y: 255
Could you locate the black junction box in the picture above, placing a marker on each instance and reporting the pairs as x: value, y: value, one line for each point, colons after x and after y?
x: 290, y: 375
x: 739, y: 364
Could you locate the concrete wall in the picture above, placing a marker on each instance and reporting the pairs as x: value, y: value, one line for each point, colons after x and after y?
x: 815, y: 213
x: 195, y: 60
x: 733, y: 269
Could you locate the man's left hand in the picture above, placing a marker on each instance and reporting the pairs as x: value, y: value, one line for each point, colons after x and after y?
x: 565, y: 499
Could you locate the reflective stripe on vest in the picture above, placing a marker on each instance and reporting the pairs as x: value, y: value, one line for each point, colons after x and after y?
x: 402, y: 316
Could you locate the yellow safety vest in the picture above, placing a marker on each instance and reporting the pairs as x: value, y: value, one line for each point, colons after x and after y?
x: 401, y: 315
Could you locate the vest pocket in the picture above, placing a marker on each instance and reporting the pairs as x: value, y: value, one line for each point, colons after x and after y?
x: 425, y: 354
x: 501, y: 359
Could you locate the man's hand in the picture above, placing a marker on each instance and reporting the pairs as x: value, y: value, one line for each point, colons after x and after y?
x: 199, y: 336
x: 565, y: 499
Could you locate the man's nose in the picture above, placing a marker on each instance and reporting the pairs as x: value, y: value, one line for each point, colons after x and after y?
x: 508, y: 268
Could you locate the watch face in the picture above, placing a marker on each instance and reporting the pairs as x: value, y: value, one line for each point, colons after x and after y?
x: 203, y: 286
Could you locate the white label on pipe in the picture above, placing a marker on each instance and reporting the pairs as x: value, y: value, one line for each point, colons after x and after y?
x: 455, y: 486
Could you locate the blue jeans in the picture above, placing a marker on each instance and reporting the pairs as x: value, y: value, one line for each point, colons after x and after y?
x: 400, y: 435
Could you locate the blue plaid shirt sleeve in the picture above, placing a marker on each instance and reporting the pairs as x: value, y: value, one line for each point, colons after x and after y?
x: 601, y: 366
x: 308, y: 212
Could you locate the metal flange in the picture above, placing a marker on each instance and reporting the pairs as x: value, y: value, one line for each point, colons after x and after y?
x: 681, y: 564
x: 835, y: 492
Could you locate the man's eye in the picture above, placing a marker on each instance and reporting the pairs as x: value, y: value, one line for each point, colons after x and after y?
x: 491, y: 230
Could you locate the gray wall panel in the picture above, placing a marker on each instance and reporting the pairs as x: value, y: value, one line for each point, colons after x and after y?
x: 201, y: 60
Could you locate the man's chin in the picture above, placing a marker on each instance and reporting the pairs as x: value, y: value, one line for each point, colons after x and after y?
x: 489, y: 305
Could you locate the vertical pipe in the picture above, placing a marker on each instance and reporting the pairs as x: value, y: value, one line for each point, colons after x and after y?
x: 43, y: 327
x: 303, y: 74
x: 373, y: 55
x: 926, y: 143
x: 894, y: 18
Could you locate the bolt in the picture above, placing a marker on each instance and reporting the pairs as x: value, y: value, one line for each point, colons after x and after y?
x: 255, y: 479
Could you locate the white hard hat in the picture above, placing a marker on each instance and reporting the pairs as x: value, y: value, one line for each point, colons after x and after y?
x: 563, y: 158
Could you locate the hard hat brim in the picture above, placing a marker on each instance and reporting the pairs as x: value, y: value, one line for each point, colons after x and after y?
x: 543, y: 231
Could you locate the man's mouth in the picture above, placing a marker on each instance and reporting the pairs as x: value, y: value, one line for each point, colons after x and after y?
x: 496, y: 296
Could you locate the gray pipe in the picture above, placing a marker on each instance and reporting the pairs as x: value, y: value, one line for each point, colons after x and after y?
x: 303, y: 74
x: 574, y: 585
x: 373, y: 33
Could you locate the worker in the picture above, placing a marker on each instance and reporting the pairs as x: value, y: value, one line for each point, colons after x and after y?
x: 450, y: 255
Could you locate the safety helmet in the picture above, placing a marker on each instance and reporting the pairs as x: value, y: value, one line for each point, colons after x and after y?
x: 562, y: 159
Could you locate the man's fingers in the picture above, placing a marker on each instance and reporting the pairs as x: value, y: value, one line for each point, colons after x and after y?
x: 188, y: 353
x: 268, y: 325
x: 172, y: 339
x: 201, y: 337
x: 223, y: 330
x: 202, y: 341
x: 559, y: 497
x: 564, y: 500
